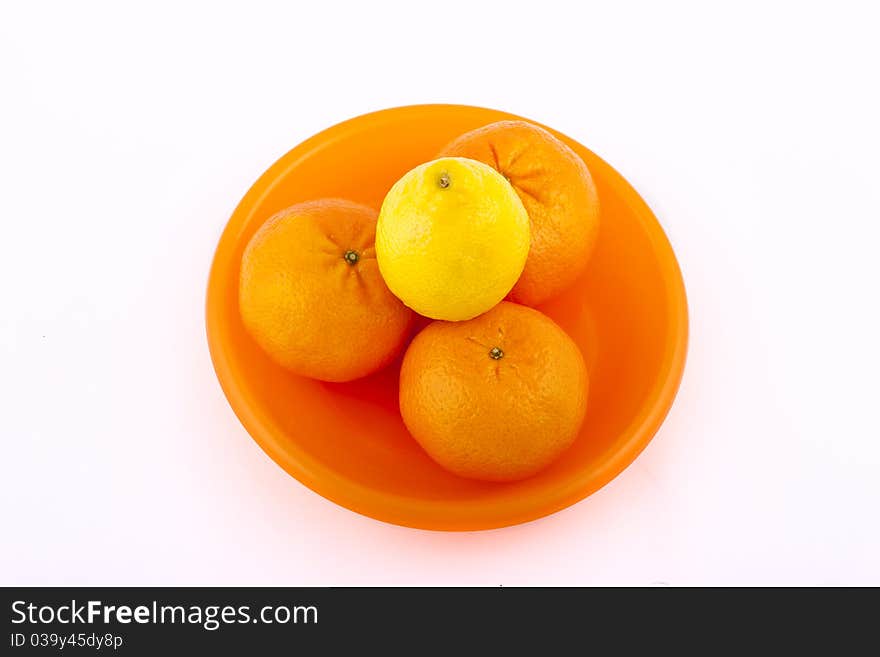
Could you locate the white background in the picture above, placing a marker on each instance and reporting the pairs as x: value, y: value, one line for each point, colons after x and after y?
x: 127, y: 136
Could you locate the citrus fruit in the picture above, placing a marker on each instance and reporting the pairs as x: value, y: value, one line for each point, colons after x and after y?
x: 558, y: 193
x: 311, y: 296
x: 495, y: 398
x: 452, y: 238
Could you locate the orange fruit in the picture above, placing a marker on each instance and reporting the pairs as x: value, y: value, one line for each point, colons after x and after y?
x: 497, y: 397
x: 310, y: 292
x: 558, y: 193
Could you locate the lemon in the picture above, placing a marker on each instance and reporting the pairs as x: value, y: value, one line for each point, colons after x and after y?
x: 452, y: 238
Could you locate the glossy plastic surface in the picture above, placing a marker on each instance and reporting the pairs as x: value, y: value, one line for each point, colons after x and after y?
x: 347, y: 442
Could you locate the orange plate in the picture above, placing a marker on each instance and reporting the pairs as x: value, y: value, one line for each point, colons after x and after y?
x: 347, y: 442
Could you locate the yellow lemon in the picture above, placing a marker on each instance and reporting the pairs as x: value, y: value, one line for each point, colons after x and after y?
x: 452, y: 238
